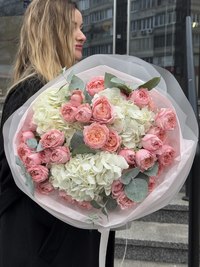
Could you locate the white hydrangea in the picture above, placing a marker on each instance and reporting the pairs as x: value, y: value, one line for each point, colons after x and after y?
x: 86, y: 176
x: 130, y: 122
x: 47, y: 113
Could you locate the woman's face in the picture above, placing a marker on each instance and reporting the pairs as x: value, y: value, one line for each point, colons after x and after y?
x: 79, y: 37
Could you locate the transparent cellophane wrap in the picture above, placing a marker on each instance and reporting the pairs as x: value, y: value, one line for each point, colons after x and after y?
x: 184, y: 139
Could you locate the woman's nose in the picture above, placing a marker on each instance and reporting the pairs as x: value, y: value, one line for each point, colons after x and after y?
x: 82, y: 36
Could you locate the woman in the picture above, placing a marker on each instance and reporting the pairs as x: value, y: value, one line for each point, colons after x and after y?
x: 51, y: 38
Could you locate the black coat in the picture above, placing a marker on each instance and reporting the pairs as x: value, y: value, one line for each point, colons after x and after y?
x: 29, y: 235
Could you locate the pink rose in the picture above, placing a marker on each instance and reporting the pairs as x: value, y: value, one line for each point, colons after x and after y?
x: 25, y: 135
x: 151, y: 105
x: 23, y: 151
x: 32, y: 126
x: 45, y: 187
x: 95, y: 135
x: 60, y: 155
x: 159, y: 132
x: 32, y: 159
x: 152, y: 183
x: 66, y: 197
x: 52, y: 138
x: 77, y: 98
x: 95, y: 85
x: 140, y: 97
x: 113, y: 142
x: 166, y: 155
x: 45, y: 155
x: 102, y: 110
x: 84, y: 204
x: 129, y: 155
x: 160, y: 170
x: 83, y: 113
x: 124, y: 202
x: 166, y: 119
x: 38, y: 173
x: 151, y: 142
x: 117, y: 188
x: 144, y: 159
x: 68, y: 111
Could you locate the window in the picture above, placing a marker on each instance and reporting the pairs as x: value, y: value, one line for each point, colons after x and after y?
x: 160, y: 19
x: 84, y: 4
x: 98, y: 49
x: 101, y: 15
x: 163, y: 40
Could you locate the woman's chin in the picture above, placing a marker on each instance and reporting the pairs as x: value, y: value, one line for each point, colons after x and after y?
x: 78, y: 56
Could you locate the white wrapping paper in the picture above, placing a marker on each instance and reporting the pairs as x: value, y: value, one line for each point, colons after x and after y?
x: 133, y: 69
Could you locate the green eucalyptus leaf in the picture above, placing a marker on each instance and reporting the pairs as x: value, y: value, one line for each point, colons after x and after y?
x: 77, y: 140
x: 107, y: 80
x: 76, y: 83
x: 129, y: 175
x: 70, y: 75
x: 88, y: 98
x: 32, y: 143
x: 103, y: 195
x: 95, y: 204
x: 121, y: 85
x: 153, y: 171
x: 142, y: 175
x: 111, y: 80
x: 19, y: 162
x: 111, y: 204
x: 136, y: 190
x: 151, y: 83
x: 117, y: 80
x: 29, y: 183
x: 83, y: 149
x: 39, y: 147
x: 105, y: 212
x: 67, y: 98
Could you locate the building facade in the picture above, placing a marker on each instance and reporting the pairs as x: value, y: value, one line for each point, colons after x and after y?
x: 153, y: 30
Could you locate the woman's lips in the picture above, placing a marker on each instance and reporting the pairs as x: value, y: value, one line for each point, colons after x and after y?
x: 79, y: 47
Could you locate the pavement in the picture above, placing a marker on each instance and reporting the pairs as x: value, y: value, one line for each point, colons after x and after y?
x: 131, y: 263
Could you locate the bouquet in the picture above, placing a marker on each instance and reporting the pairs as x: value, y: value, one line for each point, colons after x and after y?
x: 101, y: 146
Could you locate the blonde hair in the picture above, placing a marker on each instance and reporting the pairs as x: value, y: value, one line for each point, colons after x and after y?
x: 46, y: 43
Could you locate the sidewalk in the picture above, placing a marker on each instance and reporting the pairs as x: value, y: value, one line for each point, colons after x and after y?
x: 130, y: 263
